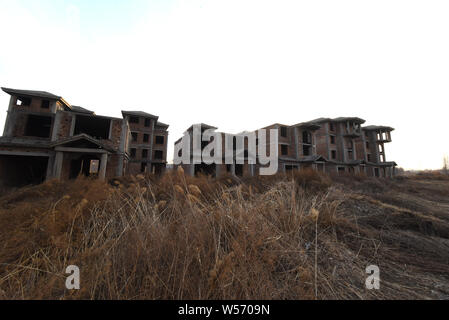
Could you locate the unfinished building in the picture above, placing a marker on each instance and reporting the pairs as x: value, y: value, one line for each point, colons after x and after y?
x: 45, y: 138
x: 234, y: 167
x: 335, y: 146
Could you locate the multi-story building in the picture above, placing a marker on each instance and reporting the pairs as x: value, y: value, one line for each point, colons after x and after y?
x: 215, y: 170
x: 349, y: 147
x: 148, y: 144
x: 45, y: 137
x: 334, y: 146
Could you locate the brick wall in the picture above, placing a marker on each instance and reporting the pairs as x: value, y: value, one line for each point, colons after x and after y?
x: 65, y: 125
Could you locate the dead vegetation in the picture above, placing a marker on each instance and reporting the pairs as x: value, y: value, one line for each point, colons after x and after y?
x: 300, y: 236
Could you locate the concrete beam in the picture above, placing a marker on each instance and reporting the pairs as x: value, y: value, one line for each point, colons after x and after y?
x: 50, y: 165
x: 58, y: 165
x: 328, y: 142
x: 26, y: 154
x: 81, y: 150
x: 55, y: 127
x: 103, y: 164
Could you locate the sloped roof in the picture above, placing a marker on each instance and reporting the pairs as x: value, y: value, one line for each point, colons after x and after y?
x: 307, y: 125
x: 139, y: 114
x: 203, y: 126
x: 160, y: 124
x: 33, y: 93
x: 313, y: 158
x: 319, y: 120
x: 276, y: 125
x: 81, y: 110
x: 81, y: 136
x: 339, y: 119
x: 343, y: 119
x: 375, y: 128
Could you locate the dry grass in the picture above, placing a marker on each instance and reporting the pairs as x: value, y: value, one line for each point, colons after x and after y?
x: 301, y: 236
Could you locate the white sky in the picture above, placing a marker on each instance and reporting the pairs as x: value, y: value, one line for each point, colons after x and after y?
x: 241, y: 65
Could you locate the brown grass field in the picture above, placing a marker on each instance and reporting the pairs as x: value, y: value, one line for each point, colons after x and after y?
x: 297, y: 236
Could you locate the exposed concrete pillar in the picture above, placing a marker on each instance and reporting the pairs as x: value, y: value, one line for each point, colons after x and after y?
x: 123, y: 146
x: 121, y: 161
x: 54, y: 106
x: 342, y: 142
x: 354, y: 150
x: 365, y: 151
x: 72, y: 125
x: 58, y: 164
x: 10, y: 118
x: 296, y: 143
x: 50, y: 165
x: 103, y: 164
x: 56, y: 125
x: 153, y: 122
x: 328, y: 142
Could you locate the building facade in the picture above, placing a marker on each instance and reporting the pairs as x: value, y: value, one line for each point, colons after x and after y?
x: 334, y: 146
x: 45, y: 138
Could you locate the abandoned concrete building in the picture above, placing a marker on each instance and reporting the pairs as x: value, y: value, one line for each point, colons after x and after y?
x: 45, y: 138
x: 340, y: 145
x: 213, y: 169
x: 334, y: 146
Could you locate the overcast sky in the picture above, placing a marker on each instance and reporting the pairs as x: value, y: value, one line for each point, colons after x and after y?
x: 241, y: 65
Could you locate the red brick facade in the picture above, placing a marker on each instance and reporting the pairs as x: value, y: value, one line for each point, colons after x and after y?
x: 45, y: 138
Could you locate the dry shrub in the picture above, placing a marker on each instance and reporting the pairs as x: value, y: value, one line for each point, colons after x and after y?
x: 293, y: 236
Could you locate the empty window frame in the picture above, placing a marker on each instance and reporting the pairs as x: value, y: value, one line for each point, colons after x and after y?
x: 159, y: 155
x: 23, y: 101
x: 160, y: 139
x: 38, y: 126
x: 350, y: 154
x: 144, y: 153
x: 146, y: 138
x: 45, y: 104
x: 331, y: 127
x: 95, y: 127
x: 133, y: 119
x: 306, y: 137
x: 133, y: 152
x: 134, y: 136
x: 284, y: 132
x: 143, y: 167
x: 334, y: 154
x: 284, y: 150
x: 376, y: 172
x: 333, y: 139
x: 306, y: 150
x: 147, y: 122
